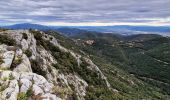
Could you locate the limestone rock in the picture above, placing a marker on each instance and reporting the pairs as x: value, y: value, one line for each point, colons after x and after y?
x: 13, y: 85
x: 8, y: 57
x: 24, y: 66
x: 23, y: 77
x: 24, y: 44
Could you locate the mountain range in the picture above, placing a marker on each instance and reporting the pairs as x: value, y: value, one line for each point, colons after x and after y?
x: 47, y: 65
x: 119, y: 29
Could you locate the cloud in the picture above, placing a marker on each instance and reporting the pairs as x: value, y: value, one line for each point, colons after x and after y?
x: 87, y: 12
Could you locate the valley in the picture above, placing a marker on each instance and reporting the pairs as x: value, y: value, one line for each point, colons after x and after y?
x: 106, y: 66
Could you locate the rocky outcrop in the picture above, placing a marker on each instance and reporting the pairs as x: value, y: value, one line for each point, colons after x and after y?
x: 22, y: 72
x: 24, y: 66
x: 79, y: 84
x: 30, y: 84
x: 6, y: 56
x: 14, y: 58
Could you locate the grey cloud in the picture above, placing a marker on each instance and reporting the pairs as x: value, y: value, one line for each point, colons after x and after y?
x: 83, y: 10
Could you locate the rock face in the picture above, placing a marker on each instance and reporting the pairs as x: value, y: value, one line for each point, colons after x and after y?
x: 24, y: 66
x: 30, y: 84
x: 7, y: 57
x: 27, y: 71
x: 12, y: 56
x: 79, y: 83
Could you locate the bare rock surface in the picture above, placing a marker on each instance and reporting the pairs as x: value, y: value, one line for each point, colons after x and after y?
x: 14, y: 83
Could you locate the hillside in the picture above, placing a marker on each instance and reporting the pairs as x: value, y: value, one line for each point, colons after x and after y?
x: 36, y: 65
x: 145, y: 56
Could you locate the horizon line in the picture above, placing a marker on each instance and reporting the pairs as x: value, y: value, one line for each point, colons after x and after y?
x: 88, y: 24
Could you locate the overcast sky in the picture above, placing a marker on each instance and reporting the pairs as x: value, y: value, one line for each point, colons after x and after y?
x: 85, y: 12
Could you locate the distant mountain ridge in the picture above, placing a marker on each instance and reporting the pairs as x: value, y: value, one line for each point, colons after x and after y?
x: 128, y: 27
x: 27, y: 26
x: 73, y: 30
x: 68, y: 31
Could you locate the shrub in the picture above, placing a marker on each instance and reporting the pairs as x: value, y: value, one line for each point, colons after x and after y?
x: 36, y: 68
x: 11, y: 77
x: 66, y: 62
x: 51, y: 38
x: 7, y: 40
x: 5, y: 79
x: 28, y: 53
x: 30, y: 92
x: 61, y: 91
x: 3, y: 87
x: 4, y: 69
x: 22, y: 96
x: 99, y: 93
x: 38, y: 36
x: 16, y: 62
x: 1, y: 60
x: 24, y: 35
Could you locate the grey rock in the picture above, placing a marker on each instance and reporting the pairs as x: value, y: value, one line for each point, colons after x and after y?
x: 8, y: 57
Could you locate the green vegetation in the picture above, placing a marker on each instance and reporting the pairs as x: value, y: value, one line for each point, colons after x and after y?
x: 3, y: 87
x: 66, y: 64
x: 28, y: 53
x: 138, y: 67
x: 24, y: 35
x: 65, y: 41
x: 35, y: 65
x: 4, y: 39
x: 1, y: 60
x: 66, y: 61
x: 11, y: 77
x: 37, y: 36
x: 98, y: 93
x: 16, y: 62
x: 30, y: 92
x: 61, y: 91
x: 22, y: 96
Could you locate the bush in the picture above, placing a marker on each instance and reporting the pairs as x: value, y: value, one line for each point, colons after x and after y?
x: 28, y: 53
x: 1, y: 60
x: 99, y: 93
x: 51, y: 38
x: 30, y: 92
x: 24, y: 35
x: 3, y: 87
x: 22, y: 96
x: 61, y: 91
x: 38, y: 36
x: 6, y: 40
x: 36, y: 68
x: 66, y: 62
x: 11, y: 77
x: 16, y: 62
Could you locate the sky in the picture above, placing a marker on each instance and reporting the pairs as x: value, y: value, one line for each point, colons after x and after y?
x: 85, y: 12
